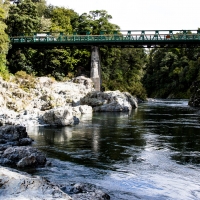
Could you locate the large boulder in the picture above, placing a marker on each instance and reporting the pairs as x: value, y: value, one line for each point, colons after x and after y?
x: 110, y: 101
x: 13, y: 136
x: 65, y: 116
x: 85, y: 109
x: 23, y: 157
x: 62, y: 116
x: 14, y: 150
x: 18, y: 186
x: 195, y: 97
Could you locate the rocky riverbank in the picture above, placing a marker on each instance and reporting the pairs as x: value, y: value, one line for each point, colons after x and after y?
x: 49, y: 102
x: 52, y: 103
x: 15, y: 185
x: 15, y: 151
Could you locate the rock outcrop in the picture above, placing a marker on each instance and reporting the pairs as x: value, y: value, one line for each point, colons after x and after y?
x: 58, y: 103
x: 110, y: 101
x: 195, y: 97
x: 14, y: 149
x: 44, y: 103
x: 13, y: 136
x: 17, y: 186
x: 22, y: 157
x: 84, y: 191
x: 60, y: 117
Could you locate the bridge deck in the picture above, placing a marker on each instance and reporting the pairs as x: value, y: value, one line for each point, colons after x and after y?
x: 131, y: 38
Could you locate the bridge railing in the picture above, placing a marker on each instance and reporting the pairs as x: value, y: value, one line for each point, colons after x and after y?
x: 164, y: 35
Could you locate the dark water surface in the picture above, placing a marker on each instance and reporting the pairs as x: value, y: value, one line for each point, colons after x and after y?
x: 151, y: 153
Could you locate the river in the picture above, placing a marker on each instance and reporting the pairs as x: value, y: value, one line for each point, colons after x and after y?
x: 152, y: 153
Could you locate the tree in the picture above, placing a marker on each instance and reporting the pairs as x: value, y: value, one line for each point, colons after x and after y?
x: 122, y: 69
x: 23, y: 18
x: 170, y: 72
x: 62, y: 19
x: 101, y: 21
x: 40, y: 6
x: 3, y: 39
x: 96, y: 21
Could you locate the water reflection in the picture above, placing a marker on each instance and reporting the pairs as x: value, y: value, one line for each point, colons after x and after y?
x: 150, y: 153
x: 108, y: 138
x: 98, y: 142
x: 95, y: 141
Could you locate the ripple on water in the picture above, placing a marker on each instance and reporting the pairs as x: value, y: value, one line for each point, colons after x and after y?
x: 150, y: 154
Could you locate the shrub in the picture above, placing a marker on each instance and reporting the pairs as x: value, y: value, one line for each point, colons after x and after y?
x: 4, y: 73
x: 25, y: 80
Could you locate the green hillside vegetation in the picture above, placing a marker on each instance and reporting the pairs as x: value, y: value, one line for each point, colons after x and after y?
x: 163, y: 73
x: 4, y: 41
x: 169, y: 73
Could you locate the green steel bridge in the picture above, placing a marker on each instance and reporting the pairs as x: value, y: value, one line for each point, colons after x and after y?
x: 130, y: 38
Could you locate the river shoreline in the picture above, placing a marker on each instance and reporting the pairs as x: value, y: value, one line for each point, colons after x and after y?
x: 15, y: 184
x: 150, y: 153
x: 137, y: 161
x: 55, y: 103
x: 49, y: 103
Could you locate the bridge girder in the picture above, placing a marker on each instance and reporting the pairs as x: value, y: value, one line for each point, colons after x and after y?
x: 143, y: 39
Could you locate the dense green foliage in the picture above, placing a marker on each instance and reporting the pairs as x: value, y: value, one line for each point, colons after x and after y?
x: 4, y: 42
x: 122, y: 69
x: 170, y: 72
x: 22, y: 18
x: 155, y: 73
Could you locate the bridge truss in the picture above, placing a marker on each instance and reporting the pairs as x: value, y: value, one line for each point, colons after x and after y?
x: 135, y: 39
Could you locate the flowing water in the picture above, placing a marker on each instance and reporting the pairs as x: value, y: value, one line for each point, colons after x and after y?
x: 151, y: 153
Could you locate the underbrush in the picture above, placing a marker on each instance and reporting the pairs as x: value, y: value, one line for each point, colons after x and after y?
x: 25, y: 81
x: 4, y: 73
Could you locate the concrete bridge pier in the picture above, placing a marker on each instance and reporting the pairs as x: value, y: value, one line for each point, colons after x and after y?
x: 95, y: 72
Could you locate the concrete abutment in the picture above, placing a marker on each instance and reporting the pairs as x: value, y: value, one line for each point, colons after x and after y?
x: 95, y: 72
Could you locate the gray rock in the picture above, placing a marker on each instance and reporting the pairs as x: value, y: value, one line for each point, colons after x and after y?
x: 84, y: 81
x: 85, y: 109
x: 83, y: 191
x: 13, y: 136
x: 25, y: 141
x: 59, y: 117
x: 13, y: 150
x: 24, y: 156
x: 110, y: 101
x: 5, y: 161
x: 27, y: 161
x: 15, y: 185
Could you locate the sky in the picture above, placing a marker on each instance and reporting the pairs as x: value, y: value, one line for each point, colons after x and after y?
x: 142, y: 14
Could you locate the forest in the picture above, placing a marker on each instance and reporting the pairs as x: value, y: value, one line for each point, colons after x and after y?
x: 153, y: 72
